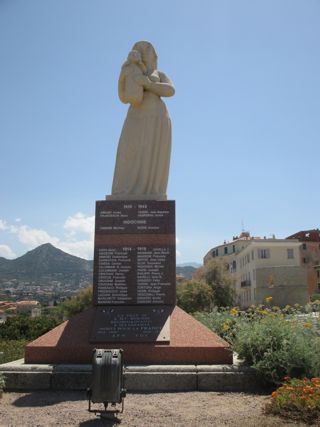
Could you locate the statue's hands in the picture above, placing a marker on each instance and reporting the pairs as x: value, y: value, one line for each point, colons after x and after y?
x: 143, y: 81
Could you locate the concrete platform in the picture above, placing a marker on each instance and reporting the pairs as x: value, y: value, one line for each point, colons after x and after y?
x: 143, y: 378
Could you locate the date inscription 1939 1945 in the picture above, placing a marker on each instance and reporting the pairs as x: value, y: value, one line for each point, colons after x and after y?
x: 135, y: 217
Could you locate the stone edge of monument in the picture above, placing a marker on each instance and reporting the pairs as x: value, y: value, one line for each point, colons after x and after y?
x: 149, y: 378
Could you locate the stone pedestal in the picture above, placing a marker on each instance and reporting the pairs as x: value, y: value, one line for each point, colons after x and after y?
x: 134, y: 296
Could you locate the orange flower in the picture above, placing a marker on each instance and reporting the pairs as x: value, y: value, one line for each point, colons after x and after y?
x: 274, y: 393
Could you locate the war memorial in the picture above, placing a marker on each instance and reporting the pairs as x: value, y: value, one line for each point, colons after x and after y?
x: 134, y: 293
x: 134, y: 296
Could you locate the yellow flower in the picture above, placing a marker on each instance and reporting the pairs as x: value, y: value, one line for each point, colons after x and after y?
x: 226, y: 327
x: 268, y: 299
x: 233, y: 312
x: 307, y: 325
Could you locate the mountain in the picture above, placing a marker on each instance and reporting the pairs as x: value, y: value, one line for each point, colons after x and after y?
x: 190, y: 264
x: 46, y: 262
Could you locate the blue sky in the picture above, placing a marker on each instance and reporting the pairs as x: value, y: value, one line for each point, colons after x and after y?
x: 245, y: 116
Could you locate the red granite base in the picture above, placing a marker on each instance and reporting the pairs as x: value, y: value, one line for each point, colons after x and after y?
x: 190, y: 343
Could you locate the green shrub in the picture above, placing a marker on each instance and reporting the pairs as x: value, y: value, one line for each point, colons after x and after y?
x: 276, y: 347
x: 275, y: 342
x: 23, y: 327
x: 223, y: 322
x: 12, y: 350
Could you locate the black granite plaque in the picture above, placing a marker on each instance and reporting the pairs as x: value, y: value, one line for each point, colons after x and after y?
x: 131, y: 324
x: 134, y: 287
x: 134, y: 217
x: 134, y: 275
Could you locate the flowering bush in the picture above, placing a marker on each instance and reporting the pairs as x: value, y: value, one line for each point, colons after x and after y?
x: 276, y: 347
x: 297, y: 399
x: 275, y: 341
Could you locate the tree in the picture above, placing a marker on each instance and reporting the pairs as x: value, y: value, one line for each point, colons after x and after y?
x: 194, y: 296
x: 216, y: 275
x: 78, y: 303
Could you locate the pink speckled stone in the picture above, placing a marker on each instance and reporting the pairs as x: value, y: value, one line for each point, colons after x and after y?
x: 190, y: 343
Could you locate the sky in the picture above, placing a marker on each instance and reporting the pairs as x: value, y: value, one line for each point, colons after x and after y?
x: 245, y: 116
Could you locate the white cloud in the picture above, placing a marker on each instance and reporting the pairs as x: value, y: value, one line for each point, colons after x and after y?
x: 81, y: 248
x: 71, y: 242
x: 3, y: 225
x: 6, y: 251
x: 79, y: 223
x: 32, y: 237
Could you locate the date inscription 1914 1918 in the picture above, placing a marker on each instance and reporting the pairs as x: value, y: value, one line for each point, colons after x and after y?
x: 134, y: 275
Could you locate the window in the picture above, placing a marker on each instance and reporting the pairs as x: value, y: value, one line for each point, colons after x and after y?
x: 304, y: 246
x: 305, y: 260
x: 234, y: 266
x: 290, y: 253
x: 264, y: 253
x: 226, y: 250
x: 233, y: 248
x: 252, y: 255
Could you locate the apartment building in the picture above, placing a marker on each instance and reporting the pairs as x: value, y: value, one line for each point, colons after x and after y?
x: 263, y: 268
x: 310, y: 257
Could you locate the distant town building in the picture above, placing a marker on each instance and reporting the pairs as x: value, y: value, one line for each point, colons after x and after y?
x: 7, y: 309
x: 264, y: 267
x: 310, y: 257
x: 32, y: 308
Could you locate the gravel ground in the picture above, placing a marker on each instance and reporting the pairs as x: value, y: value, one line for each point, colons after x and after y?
x: 192, y: 409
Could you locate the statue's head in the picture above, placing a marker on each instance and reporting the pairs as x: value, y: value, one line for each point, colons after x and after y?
x: 147, y: 52
x: 134, y: 56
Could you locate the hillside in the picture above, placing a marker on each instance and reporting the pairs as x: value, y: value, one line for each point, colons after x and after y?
x: 46, y: 263
x: 186, y: 271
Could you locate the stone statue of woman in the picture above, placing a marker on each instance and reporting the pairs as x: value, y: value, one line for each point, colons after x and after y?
x: 143, y: 156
